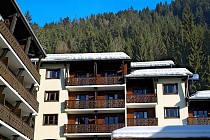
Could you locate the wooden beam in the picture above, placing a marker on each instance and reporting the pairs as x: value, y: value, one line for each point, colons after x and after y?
x: 16, y: 106
x: 4, y: 53
x: 28, y: 44
x: 14, y: 21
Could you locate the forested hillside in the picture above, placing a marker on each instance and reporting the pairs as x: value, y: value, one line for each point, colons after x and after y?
x: 179, y: 31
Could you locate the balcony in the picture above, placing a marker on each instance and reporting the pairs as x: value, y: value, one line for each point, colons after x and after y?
x: 142, y: 121
x: 90, y: 104
x: 19, y: 51
x: 91, y: 128
x: 141, y: 98
x: 14, y: 83
x: 198, y: 121
x: 72, y: 81
x: 11, y: 119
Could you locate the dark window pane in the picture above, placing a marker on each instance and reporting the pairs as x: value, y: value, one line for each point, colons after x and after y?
x: 165, y: 89
x: 170, y: 89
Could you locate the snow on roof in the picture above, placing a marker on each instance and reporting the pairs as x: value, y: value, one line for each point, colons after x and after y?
x: 85, y: 56
x: 205, y: 94
x: 152, y: 64
x: 181, y: 131
x: 160, y: 72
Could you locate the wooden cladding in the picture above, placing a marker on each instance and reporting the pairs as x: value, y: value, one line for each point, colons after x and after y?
x: 87, y: 104
x: 142, y: 121
x: 92, y: 128
x: 198, y: 121
x: 14, y: 83
x: 94, y: 81
x: 14, y: 121
x: 19, y: 51
x: 141, y: 98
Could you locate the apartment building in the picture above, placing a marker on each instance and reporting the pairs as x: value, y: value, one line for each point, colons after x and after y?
x: 89, y: 95
x: 82, y: 96
x: 19, y: 78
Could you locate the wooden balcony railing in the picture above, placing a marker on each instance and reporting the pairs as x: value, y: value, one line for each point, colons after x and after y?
x: 19, y: 51
x: 142, y: 121
x: 91, y: 128
x: 14, y: 121
x: 198, y: 121
x: 141, y: 98
x: 14, y: 83
x: 72, y: 81
x: 88, y: 104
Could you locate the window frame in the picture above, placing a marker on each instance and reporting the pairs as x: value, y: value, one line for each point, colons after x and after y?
x: 58, y: 73
x: 168, y: 115
x: 170, y: 93
x: 55, y: 96
x: 47, y: 116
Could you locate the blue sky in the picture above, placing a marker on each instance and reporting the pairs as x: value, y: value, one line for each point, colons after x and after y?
x: 46, y: 11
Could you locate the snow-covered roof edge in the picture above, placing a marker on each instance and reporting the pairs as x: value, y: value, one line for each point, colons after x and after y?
x: 180, y: 131
x: 163, y: 72
x: 205, y: 94
x: 152, y: 64
x: 85, y: 56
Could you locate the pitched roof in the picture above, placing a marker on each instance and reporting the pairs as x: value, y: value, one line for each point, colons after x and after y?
x: 205, y: 94
x: 164, y: 72
x: 152, y: 64
x: 86, y: 56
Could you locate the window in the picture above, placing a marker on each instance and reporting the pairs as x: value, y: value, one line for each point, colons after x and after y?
x: 140, y: 114
x: 141, y: 91
x: 50, y: 119
x: 170, y: 88
x: 82, y: 74
x: 82, y: 97
x: 111, y: 120
x: 53, y: 74
x: 171, y: 112
x: 82, y: 120
x: 200, y: 113
x: 51, y: 96
x: 111, y: 96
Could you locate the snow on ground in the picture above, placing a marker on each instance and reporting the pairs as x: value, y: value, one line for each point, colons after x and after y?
x: 181, y: 131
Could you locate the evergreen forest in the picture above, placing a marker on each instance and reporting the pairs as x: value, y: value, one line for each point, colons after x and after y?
x: 179, y: 31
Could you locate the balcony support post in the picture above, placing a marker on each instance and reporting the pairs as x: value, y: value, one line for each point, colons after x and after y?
x: 28, y: 44
x: 15, y: 137
x: 14, y: 21
x: 95, y: 69
x: 39, y: 62
x: 2, y: 87
x: 4, y: 53
x: 20, y: 72
x: 2, y: 96
x: 122, y: 68
x: 16, y: 106
x: 29, y: 119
